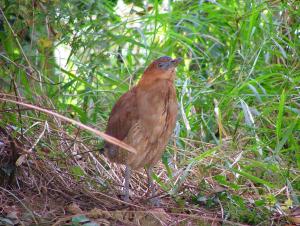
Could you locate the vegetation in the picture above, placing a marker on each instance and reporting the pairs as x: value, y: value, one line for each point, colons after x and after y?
x: 235, y: 153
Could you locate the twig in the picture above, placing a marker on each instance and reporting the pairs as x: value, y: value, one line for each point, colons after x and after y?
x: 40, y: 136
x: 106, y: 137
x: 31, y: 213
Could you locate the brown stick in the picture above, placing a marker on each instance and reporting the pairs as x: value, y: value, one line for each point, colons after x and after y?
x: 106, y: 137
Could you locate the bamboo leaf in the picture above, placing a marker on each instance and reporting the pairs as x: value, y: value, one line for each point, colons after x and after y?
x: 253, y: 178
x: 280, y: 116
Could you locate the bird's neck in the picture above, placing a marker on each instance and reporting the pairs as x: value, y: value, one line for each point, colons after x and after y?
x: 152, y: 81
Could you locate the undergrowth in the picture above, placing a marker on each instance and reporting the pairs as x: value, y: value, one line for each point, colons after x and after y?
x: 235, y: 152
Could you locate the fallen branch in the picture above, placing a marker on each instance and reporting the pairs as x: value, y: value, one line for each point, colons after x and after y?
x: 106, y: 137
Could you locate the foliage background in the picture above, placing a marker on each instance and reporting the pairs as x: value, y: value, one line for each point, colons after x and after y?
x: 236, y: 142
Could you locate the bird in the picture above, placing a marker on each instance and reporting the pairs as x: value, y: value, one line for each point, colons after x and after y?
x: 144, y: 118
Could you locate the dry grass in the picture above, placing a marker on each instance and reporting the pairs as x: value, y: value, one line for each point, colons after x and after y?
x: 58, y: 175
x: 49, y: 180
x: 234, y: 155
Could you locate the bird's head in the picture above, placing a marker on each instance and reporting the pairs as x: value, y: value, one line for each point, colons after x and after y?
x: 162, y: 68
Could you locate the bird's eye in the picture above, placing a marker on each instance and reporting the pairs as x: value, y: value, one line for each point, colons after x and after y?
x: 160, y: 65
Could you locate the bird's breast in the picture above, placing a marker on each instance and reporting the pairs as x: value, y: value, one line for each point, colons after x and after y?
x: 157, y: 108
x: 157, y: 111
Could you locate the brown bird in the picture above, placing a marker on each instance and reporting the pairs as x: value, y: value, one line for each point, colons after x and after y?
x: 144, y: 118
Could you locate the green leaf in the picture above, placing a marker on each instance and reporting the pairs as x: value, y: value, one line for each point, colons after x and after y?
x: 222, y: 180
x: 80, y: 112
x: 239, y: 201
x: 203, y: 155
x: 260, y: 202
x: 80, y: 219
x: 74, y: 77
x: 251, y: 163
x: 280, y: 115
x: 77, y: 171
x: 253, y: 178
x: 91, y: 224
x: 286, y: 135
x: 163, y: 185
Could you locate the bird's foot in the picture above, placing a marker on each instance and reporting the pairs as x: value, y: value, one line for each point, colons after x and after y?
x: 155, y: 201
x: 125, y: 198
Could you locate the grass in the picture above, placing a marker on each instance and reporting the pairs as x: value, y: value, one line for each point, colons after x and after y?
x: 235, y: 149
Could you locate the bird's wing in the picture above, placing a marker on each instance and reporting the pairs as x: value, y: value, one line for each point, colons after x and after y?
x: 123, y: 115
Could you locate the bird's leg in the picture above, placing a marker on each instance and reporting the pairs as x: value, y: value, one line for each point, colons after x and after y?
x: 154, y: 200
x: 127, y: 182
x: 150, y: 180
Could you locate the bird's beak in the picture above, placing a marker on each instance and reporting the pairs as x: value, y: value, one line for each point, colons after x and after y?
x: 170, y: 64
x: 176, y: 61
